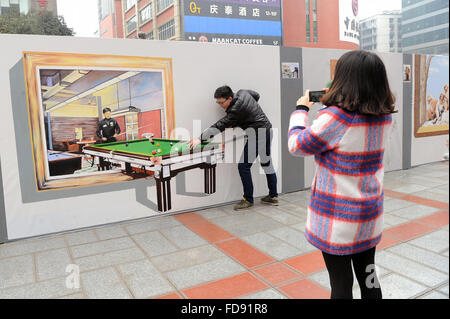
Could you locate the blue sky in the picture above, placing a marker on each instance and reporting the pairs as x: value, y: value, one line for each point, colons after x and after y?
x: 437, y: 76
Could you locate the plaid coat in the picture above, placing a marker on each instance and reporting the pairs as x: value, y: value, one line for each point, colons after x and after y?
x: 345, y: 213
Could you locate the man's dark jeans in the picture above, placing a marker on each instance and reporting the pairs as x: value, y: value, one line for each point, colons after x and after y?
x: 258, y: 143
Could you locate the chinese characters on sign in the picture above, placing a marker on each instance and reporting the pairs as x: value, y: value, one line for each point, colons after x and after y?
x: 351, y: 28
x: 233, y: 21
x: 43, y: 3
x: 231, y: 10
x: 348, y: 21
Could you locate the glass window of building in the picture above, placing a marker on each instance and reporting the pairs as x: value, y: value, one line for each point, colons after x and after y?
x: 131, y: 24
x: 316, y: 39
x: 308, y: 22
x: 7, y: 6
x: 146, y: 13
x: 426, y: 8
x: 130, y: 3
x: 132, y: 130
x: 409, y: 2
x: 315, y: 21
x: 106, y: 8
x: 426, y: 23
x: 166, y: 31
x: 425, y: 37
x: 24, y: 6
x: 163, y: 4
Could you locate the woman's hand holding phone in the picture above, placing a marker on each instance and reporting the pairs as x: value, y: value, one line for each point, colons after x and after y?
x: 304, y: 100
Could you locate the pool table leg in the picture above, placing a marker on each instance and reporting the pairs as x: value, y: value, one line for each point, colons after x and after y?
x: 210, y: 179
x: 158, y: 194
x: 207, y: 173
x: 168, y: 195
x: 163, y: 192
x: 164, y: 175
x: 164, y: 195
x: 164, y: 198
x: 128, y: 168
x: 214, y: 178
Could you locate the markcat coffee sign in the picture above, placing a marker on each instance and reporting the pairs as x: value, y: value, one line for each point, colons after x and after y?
x: 348, y: 21
x: 233, y: 21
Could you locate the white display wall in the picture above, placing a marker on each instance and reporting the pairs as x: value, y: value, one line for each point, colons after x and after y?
x: 198, y: 69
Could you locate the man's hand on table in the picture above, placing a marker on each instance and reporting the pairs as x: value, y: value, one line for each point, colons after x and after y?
x: 194, y: 142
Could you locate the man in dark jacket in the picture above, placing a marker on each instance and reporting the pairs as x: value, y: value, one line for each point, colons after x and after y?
x: 242, y: 110
x: 107, y: 130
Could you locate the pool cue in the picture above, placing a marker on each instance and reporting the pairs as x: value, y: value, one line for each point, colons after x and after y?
x: 137, y: 128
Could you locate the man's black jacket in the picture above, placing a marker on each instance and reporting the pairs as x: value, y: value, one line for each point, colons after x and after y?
x: 107, y: 128
x: 244, y: 112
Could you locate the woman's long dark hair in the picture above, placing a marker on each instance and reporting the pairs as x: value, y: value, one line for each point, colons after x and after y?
x: 360, y: 85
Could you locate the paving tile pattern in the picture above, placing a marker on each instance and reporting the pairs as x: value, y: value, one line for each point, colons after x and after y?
x: 218, y: 253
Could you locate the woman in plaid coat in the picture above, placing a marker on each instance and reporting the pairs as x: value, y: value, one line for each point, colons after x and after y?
x: 345, y: 214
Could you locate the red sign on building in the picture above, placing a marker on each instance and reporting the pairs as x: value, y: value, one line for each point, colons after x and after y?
x: 43, y: 3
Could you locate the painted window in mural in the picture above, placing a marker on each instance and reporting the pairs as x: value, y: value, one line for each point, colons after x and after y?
x: 132, y: 125
x: 76, y: 101
x: 73, y: 101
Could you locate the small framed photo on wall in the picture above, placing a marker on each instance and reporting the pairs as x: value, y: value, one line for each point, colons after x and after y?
x: 406, y: 73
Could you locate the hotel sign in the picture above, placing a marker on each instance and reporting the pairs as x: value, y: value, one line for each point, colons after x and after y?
x: 233, y: 21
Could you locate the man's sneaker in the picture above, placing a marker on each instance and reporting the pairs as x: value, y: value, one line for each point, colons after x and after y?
x: 243, y: 204
x: 270, y: 200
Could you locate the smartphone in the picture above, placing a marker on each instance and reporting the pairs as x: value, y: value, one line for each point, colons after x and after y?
x: 314, y: 96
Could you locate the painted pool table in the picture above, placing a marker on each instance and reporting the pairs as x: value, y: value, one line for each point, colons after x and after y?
x: 165, y: 158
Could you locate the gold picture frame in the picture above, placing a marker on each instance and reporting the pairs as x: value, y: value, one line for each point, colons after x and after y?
x: 34, y: 60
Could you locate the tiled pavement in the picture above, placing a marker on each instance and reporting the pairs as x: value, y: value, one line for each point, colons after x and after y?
x: 218, y: 253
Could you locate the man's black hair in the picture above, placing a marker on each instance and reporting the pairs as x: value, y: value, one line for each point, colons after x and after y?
x: 106, y: 109
x: 224, y: 92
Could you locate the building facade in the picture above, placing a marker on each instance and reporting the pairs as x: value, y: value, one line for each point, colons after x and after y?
x: 110, y: 15
x: 150, y: 19
x: 382, y: 32
x: 320, y: 24
x: 298, y: 23
x: 25, y: 6
x: 425, y: 26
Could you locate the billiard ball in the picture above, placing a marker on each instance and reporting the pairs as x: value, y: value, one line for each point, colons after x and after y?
x: 159, y: 150
x: 126, y: 144
x: 154, y: 152
x: 157, y: 144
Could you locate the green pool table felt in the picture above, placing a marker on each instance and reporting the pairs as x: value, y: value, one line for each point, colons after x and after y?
x: 144, y: 147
